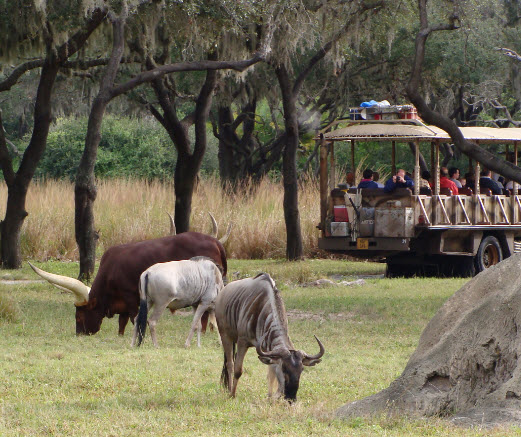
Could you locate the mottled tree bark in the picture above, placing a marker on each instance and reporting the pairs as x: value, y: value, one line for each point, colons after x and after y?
x: 85, y: 188
x: 18, y: 183
x: 294, y: 249
x: 188, y: 161
x: 290, y: 93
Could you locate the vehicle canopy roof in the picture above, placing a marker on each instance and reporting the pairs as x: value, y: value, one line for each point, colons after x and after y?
x: 415, y: 130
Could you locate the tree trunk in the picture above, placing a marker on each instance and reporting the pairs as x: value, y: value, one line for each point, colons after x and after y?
x: 227, y: 137
x: 18, y: 183
x: 188, y: 162
x: 85, y: 188
x: 86, y: 236
x: 85, y: 192
x: 291, y: 212
x: 184, y: 183
x: 289, y: 168
x: 17, y: 189
x: 11, y: 228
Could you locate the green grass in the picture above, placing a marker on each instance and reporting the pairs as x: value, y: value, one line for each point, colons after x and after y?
x: 54, y: 383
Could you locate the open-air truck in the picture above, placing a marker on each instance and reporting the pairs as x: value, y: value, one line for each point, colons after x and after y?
x: 418, y: 233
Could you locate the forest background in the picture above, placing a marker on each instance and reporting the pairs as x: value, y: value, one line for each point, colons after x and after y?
x: 308, y: 63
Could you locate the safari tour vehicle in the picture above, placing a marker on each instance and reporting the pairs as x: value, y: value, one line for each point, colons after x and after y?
x: 418, y: 230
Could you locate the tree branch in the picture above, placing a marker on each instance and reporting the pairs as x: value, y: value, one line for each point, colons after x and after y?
x: 510, y: 53
x: 159, y: 72
x: 472, y: 150
x: 322, y: 51
x: 18, y: 72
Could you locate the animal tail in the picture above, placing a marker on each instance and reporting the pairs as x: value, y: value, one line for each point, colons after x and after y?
x: 225, y: 378
x: 142, y: 315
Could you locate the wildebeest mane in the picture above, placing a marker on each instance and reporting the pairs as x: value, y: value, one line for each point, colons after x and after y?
x: 277, y: 303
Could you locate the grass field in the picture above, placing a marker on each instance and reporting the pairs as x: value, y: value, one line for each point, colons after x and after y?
x: 134, y: 210
x: 54, y: 383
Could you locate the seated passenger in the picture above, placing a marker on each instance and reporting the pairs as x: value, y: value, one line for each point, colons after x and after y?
x: 445, y: 182
x: 376, y: 178
x: 425, y: 179
x: 501, y: 181
x: 485, y: 181
x: 367, y: 181
x: 350, y: 180
x: 469, y: 181
x: 454, y: 176
x: 400, y: 180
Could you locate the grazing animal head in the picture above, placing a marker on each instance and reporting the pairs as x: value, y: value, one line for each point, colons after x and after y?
x: 288, y: 366
x: 84, y: 324
x: 88, y: 318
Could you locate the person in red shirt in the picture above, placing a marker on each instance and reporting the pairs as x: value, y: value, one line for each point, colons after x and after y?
x: 445, y: 182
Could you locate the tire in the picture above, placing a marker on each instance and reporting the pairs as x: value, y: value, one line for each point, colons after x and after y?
x: 489, y: 253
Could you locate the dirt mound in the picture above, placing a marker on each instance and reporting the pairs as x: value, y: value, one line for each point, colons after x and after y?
x: 466, y: 364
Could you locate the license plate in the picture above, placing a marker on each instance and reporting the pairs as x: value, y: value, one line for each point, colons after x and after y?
x: 362, y: 243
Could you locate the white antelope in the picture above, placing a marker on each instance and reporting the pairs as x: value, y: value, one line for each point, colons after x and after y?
x: 175, y: 285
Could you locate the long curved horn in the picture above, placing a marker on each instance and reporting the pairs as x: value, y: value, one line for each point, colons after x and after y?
x: 78, y: 288
x: 270, y: 354
x: 215, y: 228
x: 317, y: 356
x: 228, y: 232
x: 172, y: 225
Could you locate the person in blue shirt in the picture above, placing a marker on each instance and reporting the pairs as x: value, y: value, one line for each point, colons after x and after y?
x: 399, y: 180
x: 367, y: 181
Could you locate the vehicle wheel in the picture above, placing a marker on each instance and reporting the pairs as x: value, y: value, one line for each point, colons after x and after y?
x: 489, y: 253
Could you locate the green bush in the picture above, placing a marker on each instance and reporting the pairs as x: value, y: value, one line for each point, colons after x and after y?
x: 137, y: 148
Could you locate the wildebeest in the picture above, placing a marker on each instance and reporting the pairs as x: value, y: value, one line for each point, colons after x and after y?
x: 250, y: 313
x: 115, y: 288
x: 175, y: 285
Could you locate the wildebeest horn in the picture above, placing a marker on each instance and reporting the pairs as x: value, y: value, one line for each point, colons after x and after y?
x: 228, y: 232
x: 270, y: 354
x: 215, y: 228
x: 317, y: 356
x: 78, y: 288
x: 172, y: 225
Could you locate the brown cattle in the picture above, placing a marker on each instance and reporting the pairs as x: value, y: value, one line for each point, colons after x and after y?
x: 115, y: 288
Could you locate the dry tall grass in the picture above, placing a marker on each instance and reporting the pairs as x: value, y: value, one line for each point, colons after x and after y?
x: 131, y: 210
